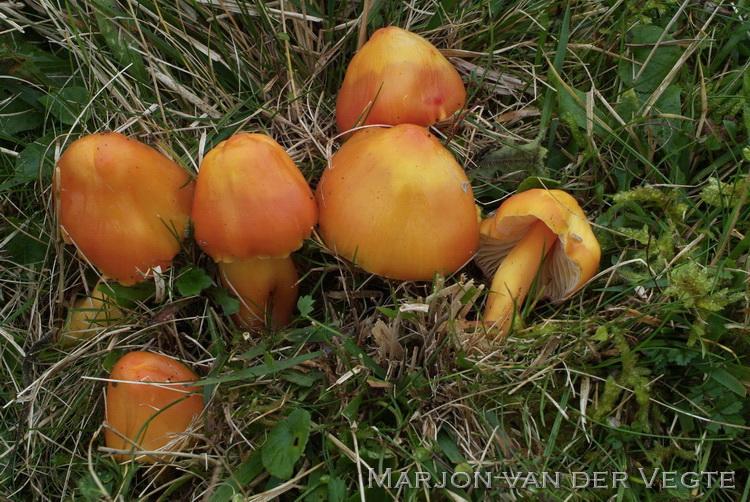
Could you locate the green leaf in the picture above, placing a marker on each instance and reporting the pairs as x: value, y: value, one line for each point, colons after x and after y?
x: 32, y: 63
x: 392, y: 313
x: 305, y: 305
x: 255, y: 351
x: 26, y: 250
x: 129, y: 297
x: 537, y: 182
x: 89, y: 490
x: 262, y: 369
x: 732, y: 408
x: 192, y: 281
x: 17, y: 116
x: 448, y: 445
x: 352, y: 408
x: 660, y: 63
x: 108, y: 363
x: 670, y: 135
x: 729, y: 381
x: 28, y: 163
x: 119, y: 41
x: 229, y: 303
x: 34, y: 163
x: 301, y: 379
x: 285, y: 444
x: 628, y: 106
x: 244, y: 474
x: 67, y: 104
x: 513, y: 160
x: 601, y: 335
x: 336, y: 490
x: 572, y: 101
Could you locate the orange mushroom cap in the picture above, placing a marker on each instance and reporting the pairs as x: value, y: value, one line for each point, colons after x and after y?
x: 123, y: 204
x: 151, y: 416
x: 396, y: 201
x: 251, y: 201
x: 398, y: 77
x: 571, y: 261
x: 267, y: 289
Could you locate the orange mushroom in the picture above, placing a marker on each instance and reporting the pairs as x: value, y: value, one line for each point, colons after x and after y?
x: 396, y: 201
x: 537, y: 234
x: 253, y: 208
x: 123, y: 204
x: 398, y: 77
x: 144, y: 415
x: 267, y: 289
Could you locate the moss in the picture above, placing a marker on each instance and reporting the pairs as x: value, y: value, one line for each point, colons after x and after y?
x: 720, y: 194
x: 696, y: 287
x: 642, y: 194
x: 666, y: 201
x: 607, y: 400
x: 663, y: 454
x: 665, y: 244
x: 632, y: 377
x: 575, y: 132
x: 638, y: 234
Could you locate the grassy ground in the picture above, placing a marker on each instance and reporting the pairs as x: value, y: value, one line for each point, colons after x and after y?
x: 646, y: 368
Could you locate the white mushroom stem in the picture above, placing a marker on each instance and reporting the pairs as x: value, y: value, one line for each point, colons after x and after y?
x: 515, y: 275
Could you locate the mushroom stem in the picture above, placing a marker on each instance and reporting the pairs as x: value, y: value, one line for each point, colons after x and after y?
x: 514, y: 277
x: 266, y: 287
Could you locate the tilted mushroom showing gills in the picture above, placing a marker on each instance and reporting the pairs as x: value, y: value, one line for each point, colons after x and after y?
x: 398, y: 77
x: 123, y: 204
x: 144, y: 415
x: 535, y: 228
x: 251, y: 201
x: 396, y: 201
x: 267, y: 289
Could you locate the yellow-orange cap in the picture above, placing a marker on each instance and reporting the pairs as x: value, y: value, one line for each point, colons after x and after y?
x: 406, y: 78
x: 251, y: 200
x: 396, y: 201
x: 90, y: 316
x: 123, y: 204
x: 150, y: 416
x: 571, y: 262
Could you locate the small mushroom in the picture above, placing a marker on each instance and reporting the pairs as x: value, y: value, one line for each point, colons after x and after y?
x: 90, y: 316
x: 540, y: 235
x: 398, y: 77
x: 145, y: 415
x: 396, y: 202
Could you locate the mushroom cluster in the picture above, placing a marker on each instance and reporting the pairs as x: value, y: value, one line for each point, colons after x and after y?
x: 393, y: 201
x: 409, y: 218
x: 126, y: 207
